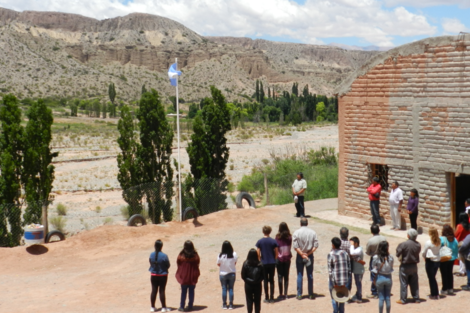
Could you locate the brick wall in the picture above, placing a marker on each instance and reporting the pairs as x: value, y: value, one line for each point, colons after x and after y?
x: 412, y: 113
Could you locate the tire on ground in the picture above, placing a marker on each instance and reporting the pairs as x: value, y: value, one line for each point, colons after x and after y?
x: 55, y: 233
x: 189, y: 211
x: 244, y: 196
x: 136, y: 219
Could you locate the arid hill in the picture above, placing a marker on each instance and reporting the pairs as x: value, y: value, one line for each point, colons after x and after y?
x: 50, y: 53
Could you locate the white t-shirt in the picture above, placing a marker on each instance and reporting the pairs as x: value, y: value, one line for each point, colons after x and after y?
x: 395, y: 196
x: 227, y: 266
x: 299, y: 185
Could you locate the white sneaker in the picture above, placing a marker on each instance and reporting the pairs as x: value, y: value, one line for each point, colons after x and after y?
x: 153, y: 310
x: 166, y: 309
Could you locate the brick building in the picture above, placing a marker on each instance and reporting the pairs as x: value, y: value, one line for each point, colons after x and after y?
x: 405, y: 116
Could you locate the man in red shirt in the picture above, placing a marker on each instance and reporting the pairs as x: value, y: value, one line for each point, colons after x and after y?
x: 374, y: 191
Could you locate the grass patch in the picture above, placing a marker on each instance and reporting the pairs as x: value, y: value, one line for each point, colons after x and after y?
x: 108, y: 221
x: 61, y: 209
x: 58, y: 222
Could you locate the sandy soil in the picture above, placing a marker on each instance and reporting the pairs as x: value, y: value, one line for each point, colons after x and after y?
x: 106, y: 269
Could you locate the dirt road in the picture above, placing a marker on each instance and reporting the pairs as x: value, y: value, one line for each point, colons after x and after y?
x: 106, y: 269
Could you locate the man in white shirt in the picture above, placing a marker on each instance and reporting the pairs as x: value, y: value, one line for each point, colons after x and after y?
x: 396, y: 201
x: 298, y: 190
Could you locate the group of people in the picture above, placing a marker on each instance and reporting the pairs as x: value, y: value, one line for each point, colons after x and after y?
x: 396, y: 202
x: 346, y: 262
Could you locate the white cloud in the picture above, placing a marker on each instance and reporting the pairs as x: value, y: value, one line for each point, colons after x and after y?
x: 453, y: 26
x: 427, y: 3
x: 309, y: 22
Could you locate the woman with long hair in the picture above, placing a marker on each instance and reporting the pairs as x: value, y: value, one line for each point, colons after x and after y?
x: 461, y: 231
x: 382, y: 266
x: 448, y: 239
x: 284, y: 256
x: 252, y: 275
x: 412, y: 208
x: 187, y: 274
x: 432, y: 259
x: 159, y: 265
x: 227, y: 261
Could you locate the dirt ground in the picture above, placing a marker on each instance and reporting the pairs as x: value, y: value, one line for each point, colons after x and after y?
x: 106, y: 269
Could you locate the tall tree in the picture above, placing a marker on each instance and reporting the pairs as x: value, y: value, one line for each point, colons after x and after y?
x: 112, y: 92
x: 38, y: 171
x: 269, y: 92
x: 208, y: 154
x: 156, y: 139
x: 257, y: 91
x: 261, y: 92
x: 11, y: 159
x: 129, y: 174
x: 144, y: 90
x: 104, y: 109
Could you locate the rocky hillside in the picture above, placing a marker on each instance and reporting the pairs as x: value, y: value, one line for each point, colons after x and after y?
x: 49, y: 53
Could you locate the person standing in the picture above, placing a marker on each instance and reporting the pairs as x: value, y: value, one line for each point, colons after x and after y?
x: 159, y: 265
x: 464, y: 251
x: 431, y: 255
x: 252, y: 275
x: 461, y: 232
x: 346, y: 247
x: 227, y: 261
x: 339, y: 271
x: 408, y: 253
x: 382, y: 266
x: 305, y: 242
x: 357, y: 267
x: 448, y: 239
x: 396, y: 201
x: 267, y: 253
x: 298, y: 190
x: 284, y: 242
x: 374, y: 191
x: 412, y: 208
x: 371, y: 250
x: 187, y: 274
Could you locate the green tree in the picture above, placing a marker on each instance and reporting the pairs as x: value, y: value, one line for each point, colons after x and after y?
x: 112, y: 92
x: 38, y: 171
x: 208, y: 154
x: 257, y: 91
x: 295, y: 89
x: 11, y: 159
x: 261, y: 92
x: 321, y: 114
x: 129, y: 166
x: 156, y: 139
x: 144, y: 90
x: 104, y: 110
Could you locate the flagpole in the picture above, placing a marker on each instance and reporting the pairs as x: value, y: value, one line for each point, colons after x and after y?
x: 179, y: 153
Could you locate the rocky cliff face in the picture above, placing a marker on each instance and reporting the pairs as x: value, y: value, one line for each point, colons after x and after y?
x: 50, y: 53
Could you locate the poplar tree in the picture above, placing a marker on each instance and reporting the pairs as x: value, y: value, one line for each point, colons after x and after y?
x: 11, y: 159
x: 38, y: 171
x: 261, y: 92
x: 257, y: 91
x: 112, y: 93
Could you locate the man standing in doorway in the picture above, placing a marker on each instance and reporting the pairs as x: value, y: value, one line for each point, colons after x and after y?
x: 305, y: 242
x: 374, y: 191
x: 396, y: 201
x: 298, y: 190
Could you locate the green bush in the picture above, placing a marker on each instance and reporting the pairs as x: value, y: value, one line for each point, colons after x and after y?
x: 61, y: 209
x: 58, y: 222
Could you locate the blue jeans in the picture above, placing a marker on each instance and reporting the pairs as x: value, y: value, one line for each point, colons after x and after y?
x: 375, y: 211
x: 337, y: 307
x: 299, y: 264
x: 227, y: 283
x: 467, y: 265
x: 184, y: 292
x: 384, y: 287
x: 358, y: 281
x: 373, y: 288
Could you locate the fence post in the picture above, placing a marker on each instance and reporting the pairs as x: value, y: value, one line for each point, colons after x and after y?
x: 45, y: 222
x: 266, y: 191
x: 178, y: 211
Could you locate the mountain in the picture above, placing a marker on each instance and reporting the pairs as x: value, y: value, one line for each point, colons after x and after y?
x: 366, y: 48
x: 68, y: 55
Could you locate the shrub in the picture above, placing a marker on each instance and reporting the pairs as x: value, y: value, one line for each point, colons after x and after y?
x: 61, y: 209
x: 58, y: 222
x: 108, y: 221
x: 230, y: 187
x: 125, y: 212
x: 98, y: 209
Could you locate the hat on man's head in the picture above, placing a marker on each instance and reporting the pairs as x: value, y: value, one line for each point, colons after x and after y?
x: 341, y: 294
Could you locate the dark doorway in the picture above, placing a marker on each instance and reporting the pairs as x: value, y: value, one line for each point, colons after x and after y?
x: 462, y: 193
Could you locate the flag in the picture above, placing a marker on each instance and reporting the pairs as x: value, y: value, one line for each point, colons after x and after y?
x: 173, y: 74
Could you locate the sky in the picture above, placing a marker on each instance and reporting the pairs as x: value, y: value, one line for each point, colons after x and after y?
x: 382, y: 23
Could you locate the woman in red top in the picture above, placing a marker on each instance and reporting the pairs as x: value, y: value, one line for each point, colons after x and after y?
x: 187, y: 274
x: 462, y: 230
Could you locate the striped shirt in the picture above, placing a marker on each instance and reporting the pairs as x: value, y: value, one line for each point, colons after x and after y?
x: 338, y: 267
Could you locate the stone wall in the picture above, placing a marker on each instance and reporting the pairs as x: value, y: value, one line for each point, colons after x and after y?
x: 410, y: 112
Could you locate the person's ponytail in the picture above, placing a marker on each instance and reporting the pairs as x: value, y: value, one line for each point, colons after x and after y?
x: 158, y: 248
